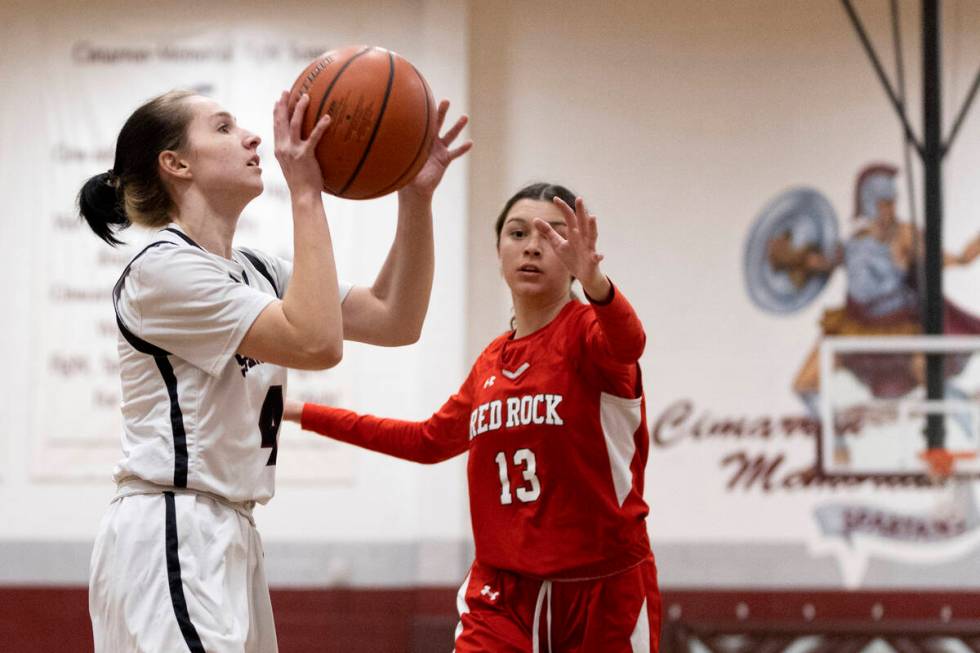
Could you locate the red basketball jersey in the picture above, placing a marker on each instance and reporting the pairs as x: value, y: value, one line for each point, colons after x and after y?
x: 555, y: 426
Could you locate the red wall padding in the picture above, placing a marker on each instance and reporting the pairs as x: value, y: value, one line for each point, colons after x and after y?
x: 423, y: 619
x: 323, y: 621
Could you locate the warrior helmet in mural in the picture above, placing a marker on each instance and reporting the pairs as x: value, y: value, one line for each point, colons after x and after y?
x: 874, y: 183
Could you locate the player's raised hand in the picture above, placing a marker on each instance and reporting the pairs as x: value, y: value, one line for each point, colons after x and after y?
x: 440, y: 156
x: 577, y: 251
x: 297, y: 156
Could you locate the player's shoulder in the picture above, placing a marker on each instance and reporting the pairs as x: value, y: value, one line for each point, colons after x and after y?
x: 169, y: 263
x: 578, y: 309
x: 576, y: 316
x: 165, y: 256
x: 269, y: 266
x: 496, y: 344
x: 254, y: 255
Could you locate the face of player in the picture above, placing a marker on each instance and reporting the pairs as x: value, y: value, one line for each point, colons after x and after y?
x: 528, y: 263
x: 220, y: 155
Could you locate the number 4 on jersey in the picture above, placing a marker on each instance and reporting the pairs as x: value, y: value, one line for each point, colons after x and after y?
x: 269, y: 421
x: 525, y: 494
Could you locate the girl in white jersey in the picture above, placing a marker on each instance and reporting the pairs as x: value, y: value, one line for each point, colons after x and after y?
x: 206, y: 334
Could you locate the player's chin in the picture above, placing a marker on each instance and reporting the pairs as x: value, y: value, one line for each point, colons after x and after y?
x: 525, y: 285
x: 253, y: 187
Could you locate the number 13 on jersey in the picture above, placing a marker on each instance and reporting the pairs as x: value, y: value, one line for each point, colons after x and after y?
x: 531, y: 489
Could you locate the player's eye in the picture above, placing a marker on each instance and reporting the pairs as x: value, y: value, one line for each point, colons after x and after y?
x: 517, y: 233
x: 224, y: 128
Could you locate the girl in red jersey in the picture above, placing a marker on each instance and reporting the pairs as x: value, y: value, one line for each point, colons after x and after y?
x: 552, y: 415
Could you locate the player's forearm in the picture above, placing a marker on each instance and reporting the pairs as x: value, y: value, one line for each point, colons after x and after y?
x: 398, y: 438
x: 621, y: 332
x: 312, y: 303
x: 404, y: 284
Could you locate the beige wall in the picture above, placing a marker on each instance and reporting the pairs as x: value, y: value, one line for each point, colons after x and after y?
x: 678, y: 119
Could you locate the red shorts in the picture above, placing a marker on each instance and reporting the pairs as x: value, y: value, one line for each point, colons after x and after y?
x: 504, y: 612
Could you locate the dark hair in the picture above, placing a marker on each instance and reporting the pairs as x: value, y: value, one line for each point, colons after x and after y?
x: 132, y: 192
x: 539, y: 191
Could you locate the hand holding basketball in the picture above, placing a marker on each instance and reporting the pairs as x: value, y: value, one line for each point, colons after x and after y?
x: 384, y: 119
x: 577, y: 251
x: 425, y: 182
x: 297, y: 156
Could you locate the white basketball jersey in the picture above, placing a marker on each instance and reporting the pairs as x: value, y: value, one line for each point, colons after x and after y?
x: 196, y: 414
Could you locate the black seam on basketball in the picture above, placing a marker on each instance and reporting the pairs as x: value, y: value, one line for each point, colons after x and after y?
x: 425, y: 132
x: 326, y: 94
x: 377, y: 125
x: 174, y: 581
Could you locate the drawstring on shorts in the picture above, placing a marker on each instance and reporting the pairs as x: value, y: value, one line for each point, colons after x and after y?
x: 544, y: 594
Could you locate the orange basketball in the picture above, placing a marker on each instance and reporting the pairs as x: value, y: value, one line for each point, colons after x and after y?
x: 383, y: 119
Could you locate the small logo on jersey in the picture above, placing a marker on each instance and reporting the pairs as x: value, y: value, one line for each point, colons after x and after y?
x: 489, y: 382
x: 490, y: 594
x: 516, y: 373
x: 246, y: 363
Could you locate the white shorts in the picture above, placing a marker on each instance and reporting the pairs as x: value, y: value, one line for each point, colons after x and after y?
x: 179, y: 571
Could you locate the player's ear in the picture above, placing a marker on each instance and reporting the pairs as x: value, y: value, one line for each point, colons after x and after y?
x: 173, y: 166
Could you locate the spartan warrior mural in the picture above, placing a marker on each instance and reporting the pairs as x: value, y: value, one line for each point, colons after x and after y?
x: 792, y: 251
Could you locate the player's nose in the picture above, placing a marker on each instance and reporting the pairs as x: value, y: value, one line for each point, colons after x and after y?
x: 251, y: 141
x: 532, y: 245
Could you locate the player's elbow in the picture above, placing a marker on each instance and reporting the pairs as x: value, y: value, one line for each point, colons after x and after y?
x: 639, y: 347
x: 630, y: 351
x: 407, y: 336
x: 322, y: 356
x: 396, y: 335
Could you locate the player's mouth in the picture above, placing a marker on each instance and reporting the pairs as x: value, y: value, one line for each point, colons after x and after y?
x: 253, y: 162
x: 529, y: 269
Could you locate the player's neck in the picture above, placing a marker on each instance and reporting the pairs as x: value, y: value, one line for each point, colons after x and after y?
x: 532, y: 313
x: 212, y: 227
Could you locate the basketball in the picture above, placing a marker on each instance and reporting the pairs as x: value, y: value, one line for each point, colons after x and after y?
x: 383, y: 119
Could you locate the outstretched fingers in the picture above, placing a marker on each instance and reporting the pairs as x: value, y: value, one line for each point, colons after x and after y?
x: 453, y: 132
x: 594, y: 236
x: 570, y: 218
x: 548, y: 232
x: 441, y: 112
x: 460, y: 151
x: 577, y: 222
x: 583, y: 229
x: 588, y: 228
